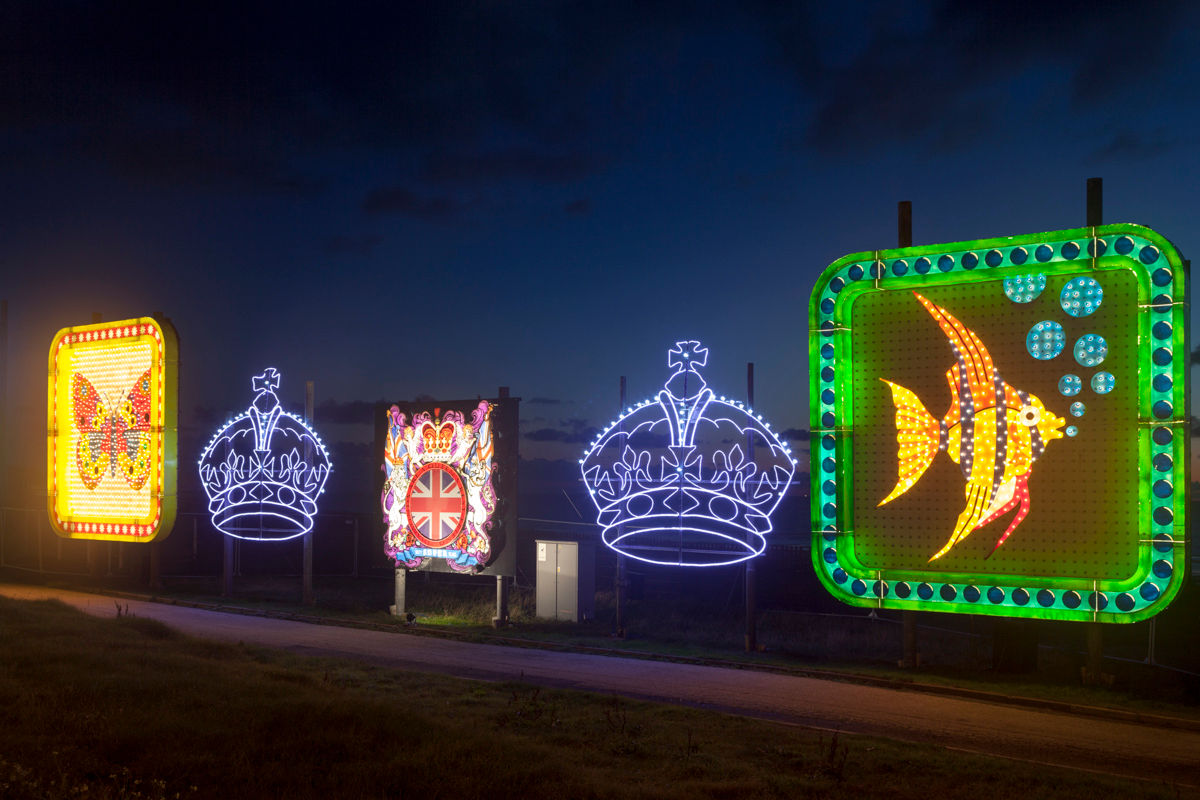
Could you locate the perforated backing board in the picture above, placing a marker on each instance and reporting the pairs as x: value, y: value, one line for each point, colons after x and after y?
x: 1001, y: 426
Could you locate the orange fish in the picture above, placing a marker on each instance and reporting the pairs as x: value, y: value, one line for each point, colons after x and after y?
x: 992, y: 431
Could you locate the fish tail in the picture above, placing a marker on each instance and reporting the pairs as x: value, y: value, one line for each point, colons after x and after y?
x: 918, y: 436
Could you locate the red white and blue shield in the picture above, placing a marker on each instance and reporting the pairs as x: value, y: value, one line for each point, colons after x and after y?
x: 436, y: 504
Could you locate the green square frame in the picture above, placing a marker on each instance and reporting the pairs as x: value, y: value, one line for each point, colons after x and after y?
x: 1157, y: 499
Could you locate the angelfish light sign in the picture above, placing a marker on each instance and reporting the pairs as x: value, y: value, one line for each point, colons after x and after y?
x: 112, y: 430
x: 1001, y: 426
x: 687, y: 478
x: 264, y: 470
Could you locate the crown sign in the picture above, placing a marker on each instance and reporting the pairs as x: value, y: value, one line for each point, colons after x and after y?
x: 264, y: 470
x: 688, y: 478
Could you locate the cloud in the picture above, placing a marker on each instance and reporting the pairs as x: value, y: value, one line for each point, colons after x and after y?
x: 196, y: 156
x: 794, y: 435
x: 948, y: 73
x: 578, y: 207
x: 345, y: 245
x: 572, y: 431
x: 398, y: 200
x: 514, y: 163
x: 352, y: 412
x: 262, y: 92
x: 1131, y: 145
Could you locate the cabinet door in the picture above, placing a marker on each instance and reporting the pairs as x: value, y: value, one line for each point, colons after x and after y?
x: 568, y: 581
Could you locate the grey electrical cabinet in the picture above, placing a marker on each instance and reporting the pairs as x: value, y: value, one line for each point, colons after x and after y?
x: 566, y: 580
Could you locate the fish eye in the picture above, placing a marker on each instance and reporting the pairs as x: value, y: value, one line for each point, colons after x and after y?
x: 1030, y: 415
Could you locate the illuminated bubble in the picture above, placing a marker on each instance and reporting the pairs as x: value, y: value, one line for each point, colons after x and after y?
x: 1046, y: 340
x: 1070, y: 385
x: 1024, y: 288
x: 1103, y: 382
x: 1078, y: 409
x: 1072, y: 430
x: 1090, y: 349
x: 1081, y: 296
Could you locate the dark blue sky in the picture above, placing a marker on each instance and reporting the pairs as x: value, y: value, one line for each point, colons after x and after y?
x: 441, y: 198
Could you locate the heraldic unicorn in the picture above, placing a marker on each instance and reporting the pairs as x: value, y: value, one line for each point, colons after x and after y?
x: 438, y: 498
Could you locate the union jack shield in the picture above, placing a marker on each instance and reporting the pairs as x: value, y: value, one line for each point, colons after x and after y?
x: 436, y: 504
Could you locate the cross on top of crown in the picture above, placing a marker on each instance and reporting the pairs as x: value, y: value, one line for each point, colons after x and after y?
x: 687, y: 356
x: 268, y: 382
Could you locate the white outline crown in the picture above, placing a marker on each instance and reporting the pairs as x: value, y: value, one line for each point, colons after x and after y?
x: 264, y: 470
x: 687, y: 479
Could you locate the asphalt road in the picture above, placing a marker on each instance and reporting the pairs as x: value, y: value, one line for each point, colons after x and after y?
x: 1131, y: 749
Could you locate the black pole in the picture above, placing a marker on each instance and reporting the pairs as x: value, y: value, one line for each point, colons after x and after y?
x: 501, y: 617
x: 307, y: 580
x: 1095, y: 202
x: 751, y: 588
x: 911, y: 658
x: 619, y: 578
x: 1095, y: 630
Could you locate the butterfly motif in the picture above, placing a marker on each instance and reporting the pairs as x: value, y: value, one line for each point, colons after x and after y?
x: 113, y: 436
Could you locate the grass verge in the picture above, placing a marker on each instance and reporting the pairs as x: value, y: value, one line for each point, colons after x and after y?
x: 128, y: 708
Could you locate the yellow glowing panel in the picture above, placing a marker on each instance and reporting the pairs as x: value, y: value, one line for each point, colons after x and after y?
x: 112, y: 431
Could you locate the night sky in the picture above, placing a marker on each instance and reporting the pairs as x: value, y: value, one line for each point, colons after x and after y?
x: 396, y: 200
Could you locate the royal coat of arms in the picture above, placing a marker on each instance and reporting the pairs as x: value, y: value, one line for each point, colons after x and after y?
x: 438, y: 498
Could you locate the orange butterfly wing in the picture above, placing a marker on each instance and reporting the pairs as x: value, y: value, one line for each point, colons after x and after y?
x: 92, y: 420
x: 131, y: 433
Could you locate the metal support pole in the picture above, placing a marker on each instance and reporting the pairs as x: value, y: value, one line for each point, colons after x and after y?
x: 156, y: 583
x: 227, y: 566
x: 4, y: 423
x: 748, y: 565
x: 1095, y: 201
x: 308, y: 537
x: 619, y: 578
x: 501, y: 617
x: 1095, y: 653
x: 399, y: 581
x: 1095, y: 630
x: 911, y: 658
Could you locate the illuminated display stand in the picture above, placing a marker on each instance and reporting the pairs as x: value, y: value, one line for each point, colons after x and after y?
x: 449, y: 484
x: 1001, y: 426
x: 264, y: 471
x: 112, y: 430
x: 688, y: 478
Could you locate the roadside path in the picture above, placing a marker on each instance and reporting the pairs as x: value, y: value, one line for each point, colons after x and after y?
x: 1116, y: 747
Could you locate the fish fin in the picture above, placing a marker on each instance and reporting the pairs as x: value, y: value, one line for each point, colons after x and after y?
x: 918, y: 435
x: 973, y: 355
x: 977, y: 493
x: 1020, y: 497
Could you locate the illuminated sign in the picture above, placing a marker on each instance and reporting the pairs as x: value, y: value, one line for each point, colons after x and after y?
x: 1001, y: 426
x: 439, y: 494
x: 112, y: 431
x: 264, y: 470
x: 688, y: 478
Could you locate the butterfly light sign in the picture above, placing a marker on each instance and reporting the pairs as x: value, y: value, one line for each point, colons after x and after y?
x: 112, y: 430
